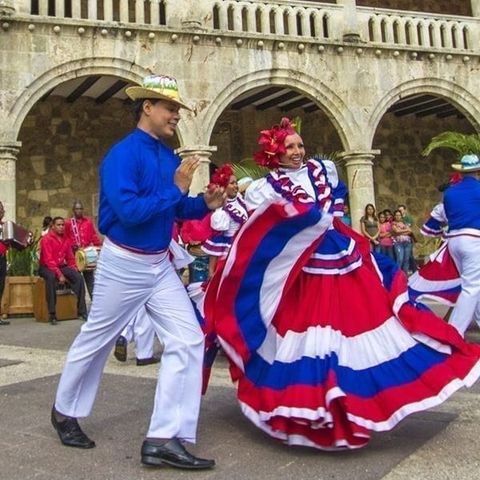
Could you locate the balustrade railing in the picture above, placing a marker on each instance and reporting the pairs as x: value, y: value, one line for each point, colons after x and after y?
x: 418, y: 30
x: 296, y: 19
x: 143, y: 12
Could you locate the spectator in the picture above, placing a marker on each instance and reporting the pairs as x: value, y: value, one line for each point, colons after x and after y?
x: 346, y: 219
x: 402, y: 241
x: 46, y: 224
x: 408, y: 220
x: 385, y: 236
x: 57, y: 264
x: 369, y: 226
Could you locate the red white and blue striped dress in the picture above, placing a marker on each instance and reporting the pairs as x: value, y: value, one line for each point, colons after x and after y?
x: 438, y: 279
x: 323, y: 342
x: 225, y: 221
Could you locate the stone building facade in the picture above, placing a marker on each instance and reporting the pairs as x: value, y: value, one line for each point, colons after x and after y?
x: 360, y: 63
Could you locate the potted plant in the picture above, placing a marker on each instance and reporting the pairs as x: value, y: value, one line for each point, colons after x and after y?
x: 22, y: 266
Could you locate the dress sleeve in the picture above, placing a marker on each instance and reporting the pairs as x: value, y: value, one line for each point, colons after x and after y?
x: 220, y: 221
x: 259, y: 192
x: 332, y: 174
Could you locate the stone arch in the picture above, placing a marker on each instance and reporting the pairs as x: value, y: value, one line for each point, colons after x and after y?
x: 68, y: 71
x: 461, y: 98
x: 333, y: 106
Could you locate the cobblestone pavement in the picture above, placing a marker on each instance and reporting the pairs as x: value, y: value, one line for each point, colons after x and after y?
x: 440, y: 444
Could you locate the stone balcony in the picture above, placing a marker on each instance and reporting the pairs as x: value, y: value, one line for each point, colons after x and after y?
x: 292, y: 21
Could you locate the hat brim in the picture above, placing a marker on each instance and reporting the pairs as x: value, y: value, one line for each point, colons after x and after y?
x: 138, y: 93
x: 459, y: 167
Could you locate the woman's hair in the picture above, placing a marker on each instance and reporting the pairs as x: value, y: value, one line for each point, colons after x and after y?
x: 397, y: 211
x: 47, y: 221
x: 374, y: 211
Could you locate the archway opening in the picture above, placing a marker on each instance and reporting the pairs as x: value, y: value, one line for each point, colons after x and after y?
x: 64, y: 137
x: 237, y: 129
x: 401, y: 174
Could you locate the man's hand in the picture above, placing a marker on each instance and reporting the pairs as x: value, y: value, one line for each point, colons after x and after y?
x: 214, y: 197
x: 184, y: 173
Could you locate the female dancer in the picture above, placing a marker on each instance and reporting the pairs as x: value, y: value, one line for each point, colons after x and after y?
x: 322, y: 340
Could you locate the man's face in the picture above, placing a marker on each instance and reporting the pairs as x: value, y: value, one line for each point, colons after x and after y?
x: 162, y: 118
x: 2, y: 210
x: 59, y: 226
x: 78, y: 210
x: 402, y: 210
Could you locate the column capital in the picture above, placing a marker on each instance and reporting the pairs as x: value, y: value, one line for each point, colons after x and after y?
x: 358, y: 156
x: 204, y: 151
x: 9, y: 151
x: 201, y: 178
x: 7, y: 8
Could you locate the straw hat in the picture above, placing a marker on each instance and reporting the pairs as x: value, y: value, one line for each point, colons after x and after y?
x: 468, y: 163
x: 157, y: 86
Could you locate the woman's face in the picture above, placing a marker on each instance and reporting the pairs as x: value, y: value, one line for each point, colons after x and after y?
x: 381, y: 217
x: 397, y: 216
x: 293, y: 157
x: 232, y: 187
x: 370, y: 210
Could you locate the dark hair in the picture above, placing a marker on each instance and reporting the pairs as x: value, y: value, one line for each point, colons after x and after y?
x: 401, y: 205
x: 57, y: 218
x: 397, y: 210
x: 47, y: 221
x: 387, y: 210
x: 137, y: 106
x: 374, y: 210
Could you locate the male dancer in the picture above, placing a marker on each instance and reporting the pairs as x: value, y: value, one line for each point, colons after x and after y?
x: 143, y: 188
x: 462, y: 207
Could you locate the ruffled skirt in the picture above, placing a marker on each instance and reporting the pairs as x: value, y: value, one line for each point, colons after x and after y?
x: 321, y: 359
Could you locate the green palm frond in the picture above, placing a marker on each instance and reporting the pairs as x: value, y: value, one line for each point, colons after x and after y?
x: 248, y: 168
x: 461, y: 143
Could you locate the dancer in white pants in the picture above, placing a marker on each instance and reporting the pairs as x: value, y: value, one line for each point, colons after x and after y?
x: 462, y: 207
x: 143, y: 190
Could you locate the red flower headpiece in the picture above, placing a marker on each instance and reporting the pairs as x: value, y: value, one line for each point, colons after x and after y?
x: 455, y: 178
x: 222, y: 175
x: 273, y: 144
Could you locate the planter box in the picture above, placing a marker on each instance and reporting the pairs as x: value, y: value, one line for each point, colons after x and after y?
x: 18, y: 296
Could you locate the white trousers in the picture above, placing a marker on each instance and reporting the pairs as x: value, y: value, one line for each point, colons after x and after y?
x: 465, y: 251
x: 125, y: 282
x: 140, y: 331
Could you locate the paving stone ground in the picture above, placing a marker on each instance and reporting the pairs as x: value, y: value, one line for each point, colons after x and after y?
x: 440, y: 444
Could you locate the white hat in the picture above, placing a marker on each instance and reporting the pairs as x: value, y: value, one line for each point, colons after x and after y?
x: 468, y: 163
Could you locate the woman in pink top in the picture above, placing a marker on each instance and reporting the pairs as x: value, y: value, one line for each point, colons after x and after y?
x: 385, y: 236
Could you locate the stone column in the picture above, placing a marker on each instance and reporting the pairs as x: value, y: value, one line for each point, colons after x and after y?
x: 351, y: 32
x: 8, y: 158
x: 359, y: 167
x: 7, y: 7
x: 202, y: 176
x: 475, y: 8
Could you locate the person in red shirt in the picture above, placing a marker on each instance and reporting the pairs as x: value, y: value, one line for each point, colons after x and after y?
x: 82, y: 233
x: 3, y: 263
x: 57, y: 265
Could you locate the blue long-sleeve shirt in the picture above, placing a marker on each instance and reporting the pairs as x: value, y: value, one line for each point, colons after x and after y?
x: 462, y: 204
x: 138, y: 200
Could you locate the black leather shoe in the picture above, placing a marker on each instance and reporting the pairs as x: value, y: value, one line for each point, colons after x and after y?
x: 147, y: 361
x: 172, y: 453
x: 4, y: 322
x: 70, y: 432
x: 53, y: 319
x: 120, y: 352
